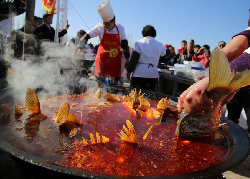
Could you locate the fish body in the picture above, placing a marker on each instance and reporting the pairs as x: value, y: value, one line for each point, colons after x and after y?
x: 223, y: 84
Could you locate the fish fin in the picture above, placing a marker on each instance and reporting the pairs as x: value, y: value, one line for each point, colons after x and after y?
x: 220, y: 75
x: 63, y: 113
x: 32, y: 102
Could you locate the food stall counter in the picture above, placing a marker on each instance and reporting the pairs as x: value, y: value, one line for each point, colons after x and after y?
x: 171, y: 84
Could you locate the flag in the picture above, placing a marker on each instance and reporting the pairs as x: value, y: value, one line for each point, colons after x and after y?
x: 49, y: 6
x: 55, y: 10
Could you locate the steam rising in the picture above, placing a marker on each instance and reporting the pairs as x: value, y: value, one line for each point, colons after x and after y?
x: 55, y: 72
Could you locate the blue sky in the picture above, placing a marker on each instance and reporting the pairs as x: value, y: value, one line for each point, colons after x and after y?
x: 207, y: 22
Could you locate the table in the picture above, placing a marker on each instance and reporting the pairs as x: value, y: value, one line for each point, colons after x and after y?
x: 171, y: 84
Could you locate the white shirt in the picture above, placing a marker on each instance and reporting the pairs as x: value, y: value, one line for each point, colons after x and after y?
x: 150, y: 51
x: 247, y: 51
x: 98, y: 31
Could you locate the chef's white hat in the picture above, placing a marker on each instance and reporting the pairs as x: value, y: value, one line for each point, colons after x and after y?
x: 105, y: 10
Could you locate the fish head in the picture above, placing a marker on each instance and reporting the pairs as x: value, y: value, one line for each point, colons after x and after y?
x: 190, y: 126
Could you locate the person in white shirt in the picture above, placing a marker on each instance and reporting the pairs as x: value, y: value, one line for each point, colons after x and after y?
x: 112, y: 38
x: 144, y: 61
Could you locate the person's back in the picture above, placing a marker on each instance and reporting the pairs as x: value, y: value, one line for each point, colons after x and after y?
x: 150, y: 50
x: 145, y: 59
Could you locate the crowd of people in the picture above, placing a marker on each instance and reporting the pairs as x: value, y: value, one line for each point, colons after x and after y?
x: 116, y: 60
x: 188, y: 52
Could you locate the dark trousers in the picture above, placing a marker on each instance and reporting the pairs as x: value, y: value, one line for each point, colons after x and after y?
x: 150, y: 84
x: 241, y: 100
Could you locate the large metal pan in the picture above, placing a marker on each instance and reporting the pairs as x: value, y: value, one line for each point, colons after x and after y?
x: 30, y: 166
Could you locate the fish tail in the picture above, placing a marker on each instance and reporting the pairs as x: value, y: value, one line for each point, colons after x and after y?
x: 220, y: 75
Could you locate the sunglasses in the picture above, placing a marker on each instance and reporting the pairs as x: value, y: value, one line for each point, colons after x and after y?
x: 222, y: 45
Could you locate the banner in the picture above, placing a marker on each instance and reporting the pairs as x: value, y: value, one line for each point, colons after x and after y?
x: 49, y: 6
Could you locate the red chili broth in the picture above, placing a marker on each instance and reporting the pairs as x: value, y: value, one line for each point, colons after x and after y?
x: 161, y: 154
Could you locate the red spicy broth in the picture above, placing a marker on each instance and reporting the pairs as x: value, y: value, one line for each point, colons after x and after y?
x: 161, y: 154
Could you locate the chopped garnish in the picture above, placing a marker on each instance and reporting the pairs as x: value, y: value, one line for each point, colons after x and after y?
x: 145, y: 136
x: 85, y: 143
x: 92, y: 138
x: 105, y: 139
x: 98, y: 138
x: 73, y: 105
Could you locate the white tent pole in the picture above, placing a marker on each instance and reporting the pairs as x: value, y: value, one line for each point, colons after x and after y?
x: 65, y: 19
x: 57, y: 21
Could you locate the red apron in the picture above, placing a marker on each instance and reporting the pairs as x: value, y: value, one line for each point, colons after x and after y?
x: 108, y: 58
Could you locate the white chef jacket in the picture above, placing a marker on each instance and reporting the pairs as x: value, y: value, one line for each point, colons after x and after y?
x: 98, y: 31
x: 150, y: 51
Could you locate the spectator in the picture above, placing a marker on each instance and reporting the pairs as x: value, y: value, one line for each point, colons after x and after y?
x: 108, y: 58
x: 40, y: 21
x: 144, y: 61
x: 169, y: 59
x: 187, y: 55
x: 164, y: 59
x: 30, y: 40
x: 36, y: 23
x: 196, y: 48
x: 172, y: 59
x: 204, y: 57
x: 94, y: 50
x: 45, y: 31
x: 91, y: 46
x: 201, y: 50
x: 221, y: 44
x: 182, y: 49
x: 191, y: 42
x: 166, y: 46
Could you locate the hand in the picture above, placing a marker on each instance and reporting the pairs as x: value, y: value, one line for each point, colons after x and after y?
x: 66, y: 26
x: 126, y: 63
x: 201, y: 50
x: 195, y: 100
x: 128, y: 75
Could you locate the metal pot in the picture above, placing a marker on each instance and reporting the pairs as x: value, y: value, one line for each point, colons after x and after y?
x: 35, y: 167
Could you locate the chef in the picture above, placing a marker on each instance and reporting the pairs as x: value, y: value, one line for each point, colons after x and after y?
x: 112, y: 38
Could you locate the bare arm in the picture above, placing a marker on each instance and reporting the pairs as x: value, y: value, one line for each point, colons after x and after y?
x: 236, y: 47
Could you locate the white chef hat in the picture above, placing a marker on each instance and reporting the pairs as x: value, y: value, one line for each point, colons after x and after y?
x: 105, y: 10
